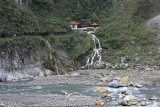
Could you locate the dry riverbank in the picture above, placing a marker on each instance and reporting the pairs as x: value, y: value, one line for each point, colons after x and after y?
x: 93, y: 77
x: 81, y: 77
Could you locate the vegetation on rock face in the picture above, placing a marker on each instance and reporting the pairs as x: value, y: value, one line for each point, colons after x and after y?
x: 76, y: 46
x: 122, y: 24
x: 47, y: 16
x: 34, y: 46
x: 35, y: 43
x: 123, y: 31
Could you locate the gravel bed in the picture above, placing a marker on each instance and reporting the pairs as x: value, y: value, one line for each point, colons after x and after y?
x: 56, y: 100
x: 92, y: 77
x: 80, y: 77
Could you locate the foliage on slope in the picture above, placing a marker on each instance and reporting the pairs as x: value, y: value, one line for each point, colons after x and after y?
x: 47, y: 16
x: 121, y: 22
x: 123, y: 31
x: 76, y: 46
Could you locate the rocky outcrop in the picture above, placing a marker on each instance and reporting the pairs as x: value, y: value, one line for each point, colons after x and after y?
x: 154, y: 24
x: 65, y: 64
x: 22, y: 64
x: 125, y: 59
x: 100, y: 65
x: 17, y: 66
x: 22, y: 2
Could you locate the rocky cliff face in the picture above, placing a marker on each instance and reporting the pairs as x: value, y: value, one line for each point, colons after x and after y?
x: 154, y: 26
x: 22, y: 65
x: 22, y: 2
x: 23, y: 62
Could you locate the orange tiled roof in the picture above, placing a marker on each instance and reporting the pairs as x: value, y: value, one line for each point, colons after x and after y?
x: 94, y: 24
x: 74, y: 23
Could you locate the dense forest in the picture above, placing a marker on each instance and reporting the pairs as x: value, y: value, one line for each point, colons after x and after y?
x: 47, y: 16
x: 122, y: 22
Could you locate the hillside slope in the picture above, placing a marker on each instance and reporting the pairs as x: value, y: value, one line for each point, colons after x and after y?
x: 122, y: 24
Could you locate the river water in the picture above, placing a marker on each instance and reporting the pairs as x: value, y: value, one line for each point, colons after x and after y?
x: 140, y: 93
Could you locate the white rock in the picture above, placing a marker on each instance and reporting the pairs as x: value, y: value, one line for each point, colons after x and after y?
x: 130, y: 100
x: 148, y: 69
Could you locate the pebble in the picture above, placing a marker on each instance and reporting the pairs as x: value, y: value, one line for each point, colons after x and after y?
x: 143, y: 103
x: 99, y: 102
x: 105, y: 95
x: 123, y: 92
x: 120, y: 103
x: 100, y: 90
x: 151, y: 98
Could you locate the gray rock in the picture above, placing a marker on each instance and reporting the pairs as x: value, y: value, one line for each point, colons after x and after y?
x: 108, y: 65
x: 116, y: 65
x: 148, y: 69
x: 63, y: 57
x: 122, y: 65
x: 48, y: 72
x: 158, y: 50
x: 129, y: 100
x: 156, y: 68
x: 115, y: 84
x: 152, y: 24
x: 125, y: 59
x: 132, y: 42
x: 126, y: 65
x: 138, y: 85
x: 22, y: 3
x: 98, y: 65
x: 137, y: 59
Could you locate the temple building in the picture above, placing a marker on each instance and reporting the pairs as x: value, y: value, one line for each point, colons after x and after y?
x: 83, y: 27
x: 95, y: 25
x: 74, y: 25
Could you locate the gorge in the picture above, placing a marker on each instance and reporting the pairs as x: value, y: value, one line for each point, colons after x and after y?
x: 45, y: 62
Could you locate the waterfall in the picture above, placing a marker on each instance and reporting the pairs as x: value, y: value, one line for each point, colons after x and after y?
x: 49, y: 45
x: 96, y: 52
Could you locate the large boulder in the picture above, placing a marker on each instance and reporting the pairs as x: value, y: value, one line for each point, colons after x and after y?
x: 137, y: 59
x: 98, y: 65
x: 115, y: 84
x: 129, y: 100
x: 154, y: 24
x: 108, y: 65
x: 125, y: 59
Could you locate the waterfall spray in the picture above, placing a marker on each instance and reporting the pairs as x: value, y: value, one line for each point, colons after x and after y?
x: 96, y: 52
x: 49, y: 45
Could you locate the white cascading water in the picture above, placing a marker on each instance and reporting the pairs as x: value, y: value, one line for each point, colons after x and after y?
x: 96, y: 52
x: 49, y: 45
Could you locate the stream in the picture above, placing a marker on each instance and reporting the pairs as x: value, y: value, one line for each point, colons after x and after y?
x: 140, y: 93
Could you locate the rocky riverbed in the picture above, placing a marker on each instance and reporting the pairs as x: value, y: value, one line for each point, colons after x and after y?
x: 95, y: 77
x: 22, y: 94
